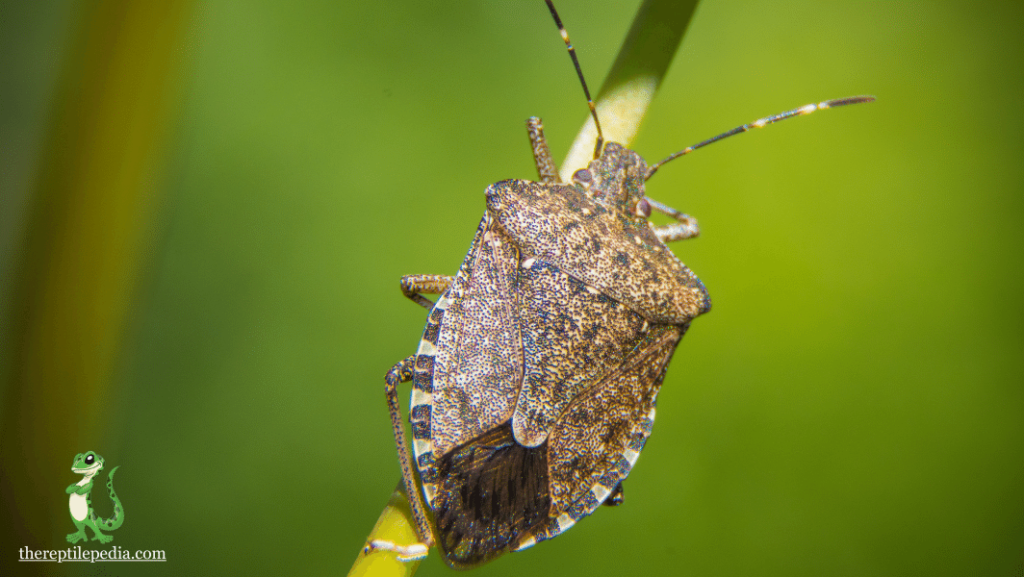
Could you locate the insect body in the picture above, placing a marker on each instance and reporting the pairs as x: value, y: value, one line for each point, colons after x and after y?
x: 535, y: 382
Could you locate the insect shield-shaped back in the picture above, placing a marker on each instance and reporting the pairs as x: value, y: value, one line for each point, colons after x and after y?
x: 535, y: 382
x: 536, y: 379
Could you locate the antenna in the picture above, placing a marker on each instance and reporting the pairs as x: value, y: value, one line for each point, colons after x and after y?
x: 572, y: 53
x: 759, y: 123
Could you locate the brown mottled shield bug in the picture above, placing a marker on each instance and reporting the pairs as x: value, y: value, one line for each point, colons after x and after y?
x: 535, y: 382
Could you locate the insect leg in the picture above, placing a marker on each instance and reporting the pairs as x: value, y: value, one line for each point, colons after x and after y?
x: 401, y: 373
x: 414, y: 284
x: 541, y: 154
x: 616, y: 496
x: 685, y: 228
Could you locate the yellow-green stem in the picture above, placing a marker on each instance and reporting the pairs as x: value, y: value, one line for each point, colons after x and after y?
x: 395, y: 524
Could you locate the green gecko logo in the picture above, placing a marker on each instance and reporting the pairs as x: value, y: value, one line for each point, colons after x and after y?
x: 89, y: 464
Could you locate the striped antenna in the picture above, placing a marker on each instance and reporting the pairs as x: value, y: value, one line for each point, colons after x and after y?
x: 760, y: 123
x: 579, y: 72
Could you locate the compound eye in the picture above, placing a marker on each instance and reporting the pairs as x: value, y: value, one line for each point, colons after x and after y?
x: 643, y: 208
x: 89, y: 459
x: 582, y: 176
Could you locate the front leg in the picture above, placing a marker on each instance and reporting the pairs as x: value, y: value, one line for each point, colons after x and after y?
x: 80, y: 489
x: 685, y: 228
x: 415, y: 284
x: 541, y: 154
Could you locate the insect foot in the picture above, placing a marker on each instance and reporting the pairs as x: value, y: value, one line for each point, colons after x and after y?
x: 413, y: 552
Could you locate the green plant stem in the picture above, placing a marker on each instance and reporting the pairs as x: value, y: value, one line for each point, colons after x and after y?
x: 395, y: 524
x: 643, y: 60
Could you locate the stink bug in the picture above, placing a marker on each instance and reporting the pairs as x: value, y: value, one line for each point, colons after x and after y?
x: 535, y: 382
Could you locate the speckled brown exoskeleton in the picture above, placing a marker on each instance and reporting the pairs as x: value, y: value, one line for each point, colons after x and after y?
x: 535, y: 382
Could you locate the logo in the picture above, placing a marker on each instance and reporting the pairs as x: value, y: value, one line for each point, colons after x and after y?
x: 80, y: 502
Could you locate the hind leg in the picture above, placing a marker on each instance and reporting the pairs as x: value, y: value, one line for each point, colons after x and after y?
x: 401, y: 373
x: 102, y: 538
x: 80, y: 534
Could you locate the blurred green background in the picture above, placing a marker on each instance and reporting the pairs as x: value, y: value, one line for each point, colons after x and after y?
x: 206, y: 208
